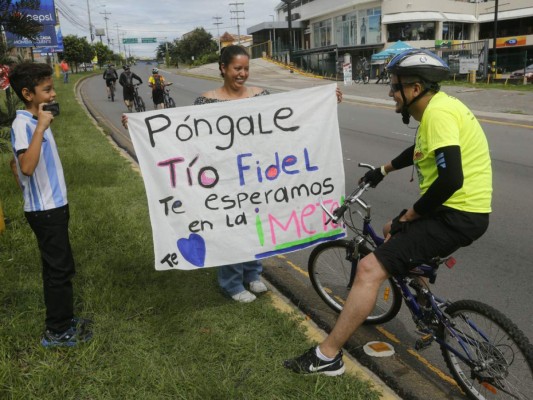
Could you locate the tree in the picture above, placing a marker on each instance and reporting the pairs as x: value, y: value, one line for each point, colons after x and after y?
x: 77, y: 50
x: 14, y: 18
x: 105, y: 54
x: 196, y: 44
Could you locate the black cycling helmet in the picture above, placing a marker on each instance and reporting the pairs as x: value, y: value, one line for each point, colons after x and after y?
x: 126, y: 67
x: 421, y: 64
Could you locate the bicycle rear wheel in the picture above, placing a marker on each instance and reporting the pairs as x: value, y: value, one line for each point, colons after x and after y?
x: 332, y: 267
x: 500, y: 357
x: 112, y: 92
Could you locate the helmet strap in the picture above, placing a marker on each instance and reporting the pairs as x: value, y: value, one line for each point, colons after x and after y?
x: 405, y: 107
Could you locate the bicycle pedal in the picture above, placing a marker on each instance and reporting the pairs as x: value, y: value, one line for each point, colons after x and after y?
x: 424, y: 342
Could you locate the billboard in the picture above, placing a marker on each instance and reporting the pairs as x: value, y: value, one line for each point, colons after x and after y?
x: 45, y: 15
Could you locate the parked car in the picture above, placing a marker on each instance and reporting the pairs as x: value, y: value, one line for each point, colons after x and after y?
x: 520, y: 73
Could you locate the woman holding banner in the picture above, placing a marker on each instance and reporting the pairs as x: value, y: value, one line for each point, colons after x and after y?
x: 234, y: 65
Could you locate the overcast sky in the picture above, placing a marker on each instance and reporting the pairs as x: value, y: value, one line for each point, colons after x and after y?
x: 163, y: 19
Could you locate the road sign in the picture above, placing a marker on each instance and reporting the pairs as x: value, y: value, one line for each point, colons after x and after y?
x: 149, y: 40
x: 130, y: 40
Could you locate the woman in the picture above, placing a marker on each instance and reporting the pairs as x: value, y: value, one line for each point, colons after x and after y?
x: 234, y: 66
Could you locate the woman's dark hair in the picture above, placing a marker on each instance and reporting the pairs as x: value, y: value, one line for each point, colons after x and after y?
x: 28, y: 75
x: 227, y: 53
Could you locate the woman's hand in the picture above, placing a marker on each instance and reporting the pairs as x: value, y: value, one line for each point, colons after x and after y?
x: 124, y: 121
x: 339, y: 95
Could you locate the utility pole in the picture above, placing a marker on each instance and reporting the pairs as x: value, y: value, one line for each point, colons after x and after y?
x: 105, y: 13
x: 237, y: 17
x: 118, y: 39
x: 91, y: 35
x: 218, y: 30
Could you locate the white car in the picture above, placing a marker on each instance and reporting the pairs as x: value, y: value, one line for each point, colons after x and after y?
x: 520, y: 73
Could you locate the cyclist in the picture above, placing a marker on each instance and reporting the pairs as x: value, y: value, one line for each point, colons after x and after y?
x: 126, y: 81
x: 157, y: 83
x: 110, y: 76
x: 451, y: 158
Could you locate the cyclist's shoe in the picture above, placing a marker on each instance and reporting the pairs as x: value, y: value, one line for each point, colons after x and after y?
x: 108, y: 97
x: 71, y: 337
x: 244, y: 297
x: 258, y: 287
x: 309, y: 363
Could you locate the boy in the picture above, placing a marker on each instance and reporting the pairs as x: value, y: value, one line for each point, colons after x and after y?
x: 45, y: 201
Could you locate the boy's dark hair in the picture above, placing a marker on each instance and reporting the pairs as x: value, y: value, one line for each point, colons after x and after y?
x: 227, y: 53
x: 28, y: 75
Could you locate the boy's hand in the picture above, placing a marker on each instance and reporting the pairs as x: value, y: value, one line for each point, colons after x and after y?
x: 44, y: 118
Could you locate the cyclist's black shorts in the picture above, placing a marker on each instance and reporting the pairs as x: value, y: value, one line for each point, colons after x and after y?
x: 109, y: 82
x: 158, y: 96
x: 127, y: 92
x: 439, y: 234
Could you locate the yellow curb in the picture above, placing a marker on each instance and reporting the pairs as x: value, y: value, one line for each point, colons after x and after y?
x: 314, y: 333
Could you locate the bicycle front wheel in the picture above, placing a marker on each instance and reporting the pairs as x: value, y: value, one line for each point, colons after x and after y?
x: 489, y: 357
x: 332, y: 268
x: 140, y: 104
x: 171, y: 103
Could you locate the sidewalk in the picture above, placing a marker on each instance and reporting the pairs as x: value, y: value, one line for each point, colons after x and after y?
x: 496, y: 104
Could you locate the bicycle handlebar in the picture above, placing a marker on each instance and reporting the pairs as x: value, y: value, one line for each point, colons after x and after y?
x: 354, y: 197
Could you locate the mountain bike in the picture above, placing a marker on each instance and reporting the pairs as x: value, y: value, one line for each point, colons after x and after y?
x: 112, y: 91
x: 488, y: 356
x: 138, y: 102
x: 169, y: 101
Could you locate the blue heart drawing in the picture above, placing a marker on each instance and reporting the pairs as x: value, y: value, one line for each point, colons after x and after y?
x: 193, y: 249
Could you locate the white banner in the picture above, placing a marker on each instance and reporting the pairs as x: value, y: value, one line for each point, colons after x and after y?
x: 240, y: 180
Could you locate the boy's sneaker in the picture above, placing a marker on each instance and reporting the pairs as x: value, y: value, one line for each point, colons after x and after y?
x: 244, y: 297
x: 81, y: 324
x: 71, y: 337
x: 258, y: 287
x: 309, y: 363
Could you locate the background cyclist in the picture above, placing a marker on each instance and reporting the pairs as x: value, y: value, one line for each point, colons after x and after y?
x: 157, y: 83
x: 126, y: 81
x: 452, y: 161
x: 110, y: 75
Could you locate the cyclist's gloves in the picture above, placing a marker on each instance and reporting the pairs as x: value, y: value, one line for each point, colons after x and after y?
x: 398, y: 226
x: 374, y: 176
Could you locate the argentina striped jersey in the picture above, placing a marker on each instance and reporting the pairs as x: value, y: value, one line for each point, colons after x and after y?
x: 45, y: 189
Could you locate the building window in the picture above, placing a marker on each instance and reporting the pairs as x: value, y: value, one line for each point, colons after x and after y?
x: 345, y: 30
x: 374, y: 26
x: 455, y: 31
x: 322, y: 33
x: 411, y: 31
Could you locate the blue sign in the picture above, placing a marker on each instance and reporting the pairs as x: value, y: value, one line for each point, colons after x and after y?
x: 46, y: 38
x: 45, y: 15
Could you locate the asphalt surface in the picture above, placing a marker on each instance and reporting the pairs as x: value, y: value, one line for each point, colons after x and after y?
x: 514, y: 107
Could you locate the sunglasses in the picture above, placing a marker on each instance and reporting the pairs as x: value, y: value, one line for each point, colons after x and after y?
x: 398, y: 86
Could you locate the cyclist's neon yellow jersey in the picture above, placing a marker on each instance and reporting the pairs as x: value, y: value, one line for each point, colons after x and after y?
x: 448, y: 122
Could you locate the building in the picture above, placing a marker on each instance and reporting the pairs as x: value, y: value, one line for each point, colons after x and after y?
x: 321, y: 33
